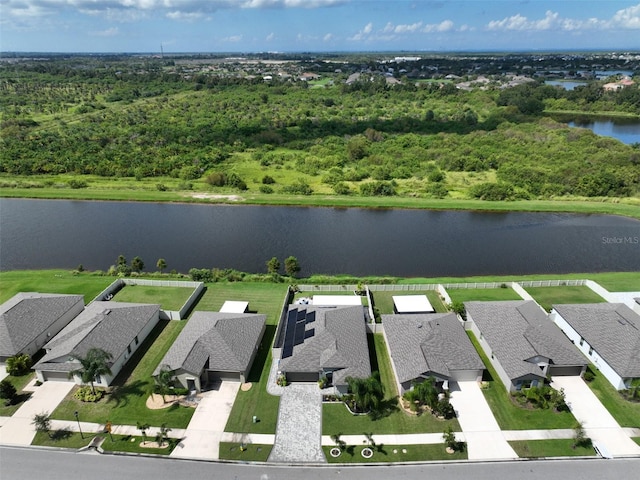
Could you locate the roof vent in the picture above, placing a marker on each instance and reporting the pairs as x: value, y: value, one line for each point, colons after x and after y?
x: 419, y: 325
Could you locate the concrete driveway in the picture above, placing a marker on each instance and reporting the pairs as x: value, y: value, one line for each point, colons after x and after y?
x: 18, y: 430
x: 484, y: 438
x: 598, y: 423
x: 203, y: 434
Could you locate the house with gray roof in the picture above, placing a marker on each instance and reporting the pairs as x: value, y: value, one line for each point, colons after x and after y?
x: 322, y: 341
x: 522, y: 343
x: 29, y: 320
x: 115, y: 327
x: 430, y: 345
x: 608, y: 334
x: 214, y: 346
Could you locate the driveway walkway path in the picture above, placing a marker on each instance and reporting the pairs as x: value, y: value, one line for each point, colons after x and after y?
x: 598, y: 423
x: 485, y: 440
x: 299, y: 429
x: 19, y: 430
x: 202, y: 437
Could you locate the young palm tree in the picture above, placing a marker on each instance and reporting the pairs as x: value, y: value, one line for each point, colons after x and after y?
x: 164, y: 381
x: 367, y: 392
x: 94, y: 364
x: 162, y: 434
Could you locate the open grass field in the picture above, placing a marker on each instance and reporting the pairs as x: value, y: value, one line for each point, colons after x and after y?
x: 510, y: 415
x: 550, y: 448
x: 482, y: 294
x: 547, y: 296
x: 51, y: 281
x: 337, y: 419
x: 395, y: 453
x: 169, y: 298
x: 384, y: 300
x: 626, y: 413
x: 126, y: 402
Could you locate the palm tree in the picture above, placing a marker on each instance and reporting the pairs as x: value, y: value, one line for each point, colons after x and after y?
x: 162, y: 264
x: 94, y: 364
x: 143, y: 427
x: 161, y: 436
x: 164, y: 381
x: 367, y: 392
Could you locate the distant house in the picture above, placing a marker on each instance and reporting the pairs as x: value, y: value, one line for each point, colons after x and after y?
x: 214, y: 346
x: 608, y: 334
x: 117, y: 328
x: 29, y: 320
x: 326, y: 342
x: 522, y: 343
x: 432, y: 345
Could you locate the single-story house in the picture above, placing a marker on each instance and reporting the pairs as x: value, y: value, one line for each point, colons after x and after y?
x: 29, y: 320
x: 430, y: 345
x: 326, y: 342
x: 115, y: 327
x: 522, y: 343
x: 214, y: 346
x: 608, y: 334
x: 411, y: 304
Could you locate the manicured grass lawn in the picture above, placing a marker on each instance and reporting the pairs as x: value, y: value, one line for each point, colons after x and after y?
x: 252, y: 452
x: 169, y: 298
x: 395, y: 453
x: 384, y: 300
x: 126, y: 404
x: 51, y: 281
x: 18, y: 382
x: 547, y: 296
x: 550, y: 448
x: 131, y: 444
x: 337, y: 419
x: 62, y: 439
x: 508, y: 414
x: 482, y: 294
x: 636, y: 439
x: 626, y: 413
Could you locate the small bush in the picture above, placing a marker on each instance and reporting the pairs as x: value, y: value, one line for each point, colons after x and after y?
x: 84, y: 394
x: 265, y: 189
x: 78, y: 183
x: 589, y: 376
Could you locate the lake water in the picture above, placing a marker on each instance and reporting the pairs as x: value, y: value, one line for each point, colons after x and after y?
x: 62, y: 234
x: 625, y: 130
x: 566, y: 84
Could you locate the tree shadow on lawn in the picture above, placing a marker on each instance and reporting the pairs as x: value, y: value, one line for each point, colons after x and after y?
x: 121, y: 394
x: 61, y: 434
x: 387, y: 407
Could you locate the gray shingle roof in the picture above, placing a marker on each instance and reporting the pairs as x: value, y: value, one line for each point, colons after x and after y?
x: 110, y: 326
x: 339, y: 342
x: 612, y: 329
x: 225, y: 340
x: 429, y: 344
x: 520, y: 330
x: 27, y: 315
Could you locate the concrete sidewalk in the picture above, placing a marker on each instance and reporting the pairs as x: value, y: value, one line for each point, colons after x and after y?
x: 485, y: 440
x: 19, y: 429
x: 598, y: 423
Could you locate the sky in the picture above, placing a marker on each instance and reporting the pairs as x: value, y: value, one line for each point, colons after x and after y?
x: 182, y: 26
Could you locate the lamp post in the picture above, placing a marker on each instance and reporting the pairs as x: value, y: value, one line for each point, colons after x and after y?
x: 78, y: 420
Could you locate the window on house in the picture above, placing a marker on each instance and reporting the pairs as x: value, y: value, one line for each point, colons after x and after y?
x: 590, y: 350
x: 129, y: 349
x: 98, y: 379
x: 581, y: 341
x: 136, y: 339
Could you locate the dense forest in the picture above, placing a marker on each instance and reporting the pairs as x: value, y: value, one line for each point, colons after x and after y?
x: 368, y: 137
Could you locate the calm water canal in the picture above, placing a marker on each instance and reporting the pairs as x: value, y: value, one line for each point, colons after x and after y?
x: 60, y: 233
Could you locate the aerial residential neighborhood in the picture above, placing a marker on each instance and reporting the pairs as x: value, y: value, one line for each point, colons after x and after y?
x: 225, y: 375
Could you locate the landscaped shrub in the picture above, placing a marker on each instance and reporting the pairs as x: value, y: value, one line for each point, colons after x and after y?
x: 18, y: 365
x: 84, y: 394
x: 589, y: 376
x: 7, y: 391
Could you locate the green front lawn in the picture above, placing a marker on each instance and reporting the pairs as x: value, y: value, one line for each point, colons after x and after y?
x: 62, y: 439
x: 510, y: 415
x: 126, y: 403
x: 51, y: 281
x: 19, y: 383
x: 626, y: 413
x: 395, y: 453
x: 132, y: 444
x: 636, y: 439
x: 250, y: 453
x: 384, y: 300
x: 169, y: 298
x: 482, y: 294
x: 547, y: 296
x: 337, y: 419
x: 550, y: 448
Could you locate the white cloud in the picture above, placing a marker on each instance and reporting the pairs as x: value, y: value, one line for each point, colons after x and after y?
x: 362, y: 34
x: 232, y: 39
x: 626, y: 19
x: 444, y: 26
x: 109, y: 32
x: 185, y: 16
x: 270, y: 37
x: 402, y: 28
x: 328, y: 37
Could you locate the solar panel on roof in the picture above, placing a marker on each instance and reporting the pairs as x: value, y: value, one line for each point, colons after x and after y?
x: 311, y: 317
x: 289, y: 333
x: 302, y: 314
x: 299, y: 335
x: 309, y: 333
